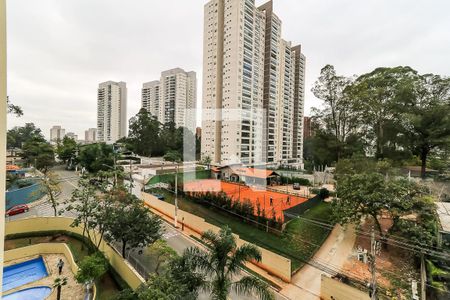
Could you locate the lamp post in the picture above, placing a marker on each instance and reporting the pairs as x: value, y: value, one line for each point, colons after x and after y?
x: 175, y: 220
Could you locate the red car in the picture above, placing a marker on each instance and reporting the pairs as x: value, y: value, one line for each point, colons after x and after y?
x: 18, y: 209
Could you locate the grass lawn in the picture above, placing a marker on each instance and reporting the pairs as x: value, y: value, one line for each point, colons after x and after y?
x: 107, y: 287
x: 291, y: 244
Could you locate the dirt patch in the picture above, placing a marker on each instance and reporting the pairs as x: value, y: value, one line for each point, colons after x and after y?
x: 395, y: 266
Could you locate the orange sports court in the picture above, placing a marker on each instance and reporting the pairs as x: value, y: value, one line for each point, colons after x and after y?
x: 269, y: 201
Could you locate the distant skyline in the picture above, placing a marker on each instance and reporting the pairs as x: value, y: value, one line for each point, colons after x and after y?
x: 59, y: 51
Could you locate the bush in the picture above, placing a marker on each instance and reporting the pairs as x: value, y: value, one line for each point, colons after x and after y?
x: 21, y: 183
x: 324, y: 193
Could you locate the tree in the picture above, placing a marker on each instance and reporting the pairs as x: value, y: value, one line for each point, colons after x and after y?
x: 162, y: 253
x: 223, y: 262
x: 131, y: 223
x: 371, y: 195
x: 50, y: 187
x: 38, y: 153
x: 14, y: 109
x: 58, y: 284
x: 97, y: 157
x: 91, y: 268
x: 172, y: 156
x: 338, y: 117
x: 180, y: 281
x: 90, y: 210
x: 17, y: 136
x: 143, y: 136
x: 66, y: 149
x: 425, y: 116
x: 375, y: 95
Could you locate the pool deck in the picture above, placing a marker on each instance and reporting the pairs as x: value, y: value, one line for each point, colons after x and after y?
x: 72, y: 290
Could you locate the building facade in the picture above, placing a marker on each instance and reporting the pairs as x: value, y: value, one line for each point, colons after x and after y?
x: 252, y: 89
x: 111, y: 111
x: 72, y: 136
x: 90, y: 135
x: 57, y: 133
x: 173, y: 98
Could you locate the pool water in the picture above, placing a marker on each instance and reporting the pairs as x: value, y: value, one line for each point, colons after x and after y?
x: 34, y: 293
x: 23, y: 273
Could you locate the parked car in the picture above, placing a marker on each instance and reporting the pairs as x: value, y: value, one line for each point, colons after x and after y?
x: 296, y: 186
x: 17, y: 209
x: 160, y: 197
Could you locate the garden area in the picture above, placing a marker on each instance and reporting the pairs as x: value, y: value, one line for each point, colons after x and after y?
x: 298, y: 242
x: 108, y: 285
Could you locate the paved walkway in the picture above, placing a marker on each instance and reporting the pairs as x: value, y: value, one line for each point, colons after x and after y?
x: 334, y: 252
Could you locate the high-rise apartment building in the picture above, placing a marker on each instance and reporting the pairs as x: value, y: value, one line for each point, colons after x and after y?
x: 57, y: 133
x: 253, y: 84
x: 173, y: 98
x: 90, y: 135
x: 111, y: 111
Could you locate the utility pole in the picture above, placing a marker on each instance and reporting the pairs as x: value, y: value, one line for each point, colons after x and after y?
x: 373, y: 281
x: 175, y: 220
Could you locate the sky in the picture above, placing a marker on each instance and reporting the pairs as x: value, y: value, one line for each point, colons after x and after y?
x: 60, y: 50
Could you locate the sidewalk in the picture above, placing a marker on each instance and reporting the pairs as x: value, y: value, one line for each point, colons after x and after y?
x: 334, y: 252
x: 193, y: 236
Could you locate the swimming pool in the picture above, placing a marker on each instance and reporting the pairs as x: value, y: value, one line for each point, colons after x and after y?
x: 23, y: 273
x: 34, y: 293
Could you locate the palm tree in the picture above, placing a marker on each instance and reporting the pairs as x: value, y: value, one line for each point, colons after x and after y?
x: 58, y: 284
x: 222, y: 265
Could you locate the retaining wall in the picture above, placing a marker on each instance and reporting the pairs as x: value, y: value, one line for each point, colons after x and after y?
x: 273, y: 263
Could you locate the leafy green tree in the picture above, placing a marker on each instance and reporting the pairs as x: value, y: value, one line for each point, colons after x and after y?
x: 97, y: 157
x: 90, y: 210
x: 375, y: 97
x: 223, y: 262
x: 39, y: 153
x: 163, y: 288
x: 58, y: 284
x: 338, y: 116
x: 50, y: 187
x: 162, y: 253
x: 371, y: 195
x: 91, y: 268
x: 172, y: 156
x: 66, y: 149
x: 17, y: 136
x: 131, y: 223
x: 425, y: 116
x: 143, y: 134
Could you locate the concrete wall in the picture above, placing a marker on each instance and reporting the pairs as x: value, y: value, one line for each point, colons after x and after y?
x: 273, y: 263
x: 24, y: 195
x: 36, y: 224
x: 339, y: 291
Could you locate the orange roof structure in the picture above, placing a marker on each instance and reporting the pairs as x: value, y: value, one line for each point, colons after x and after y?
x: 257, y: 173
x: 12, y: 168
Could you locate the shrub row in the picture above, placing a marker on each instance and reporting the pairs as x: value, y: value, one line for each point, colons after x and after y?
x: 243, y: 209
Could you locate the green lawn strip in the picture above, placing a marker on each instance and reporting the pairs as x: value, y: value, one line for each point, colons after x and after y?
x: 291, y: 244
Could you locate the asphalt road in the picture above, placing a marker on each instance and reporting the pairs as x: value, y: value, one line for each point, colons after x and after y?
x: 174, y: 238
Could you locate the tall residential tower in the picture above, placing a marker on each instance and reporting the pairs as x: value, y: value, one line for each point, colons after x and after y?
x: 57, y: 133
x: 253, y: 84
x: 173, y: 98
x: 111, y: 111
